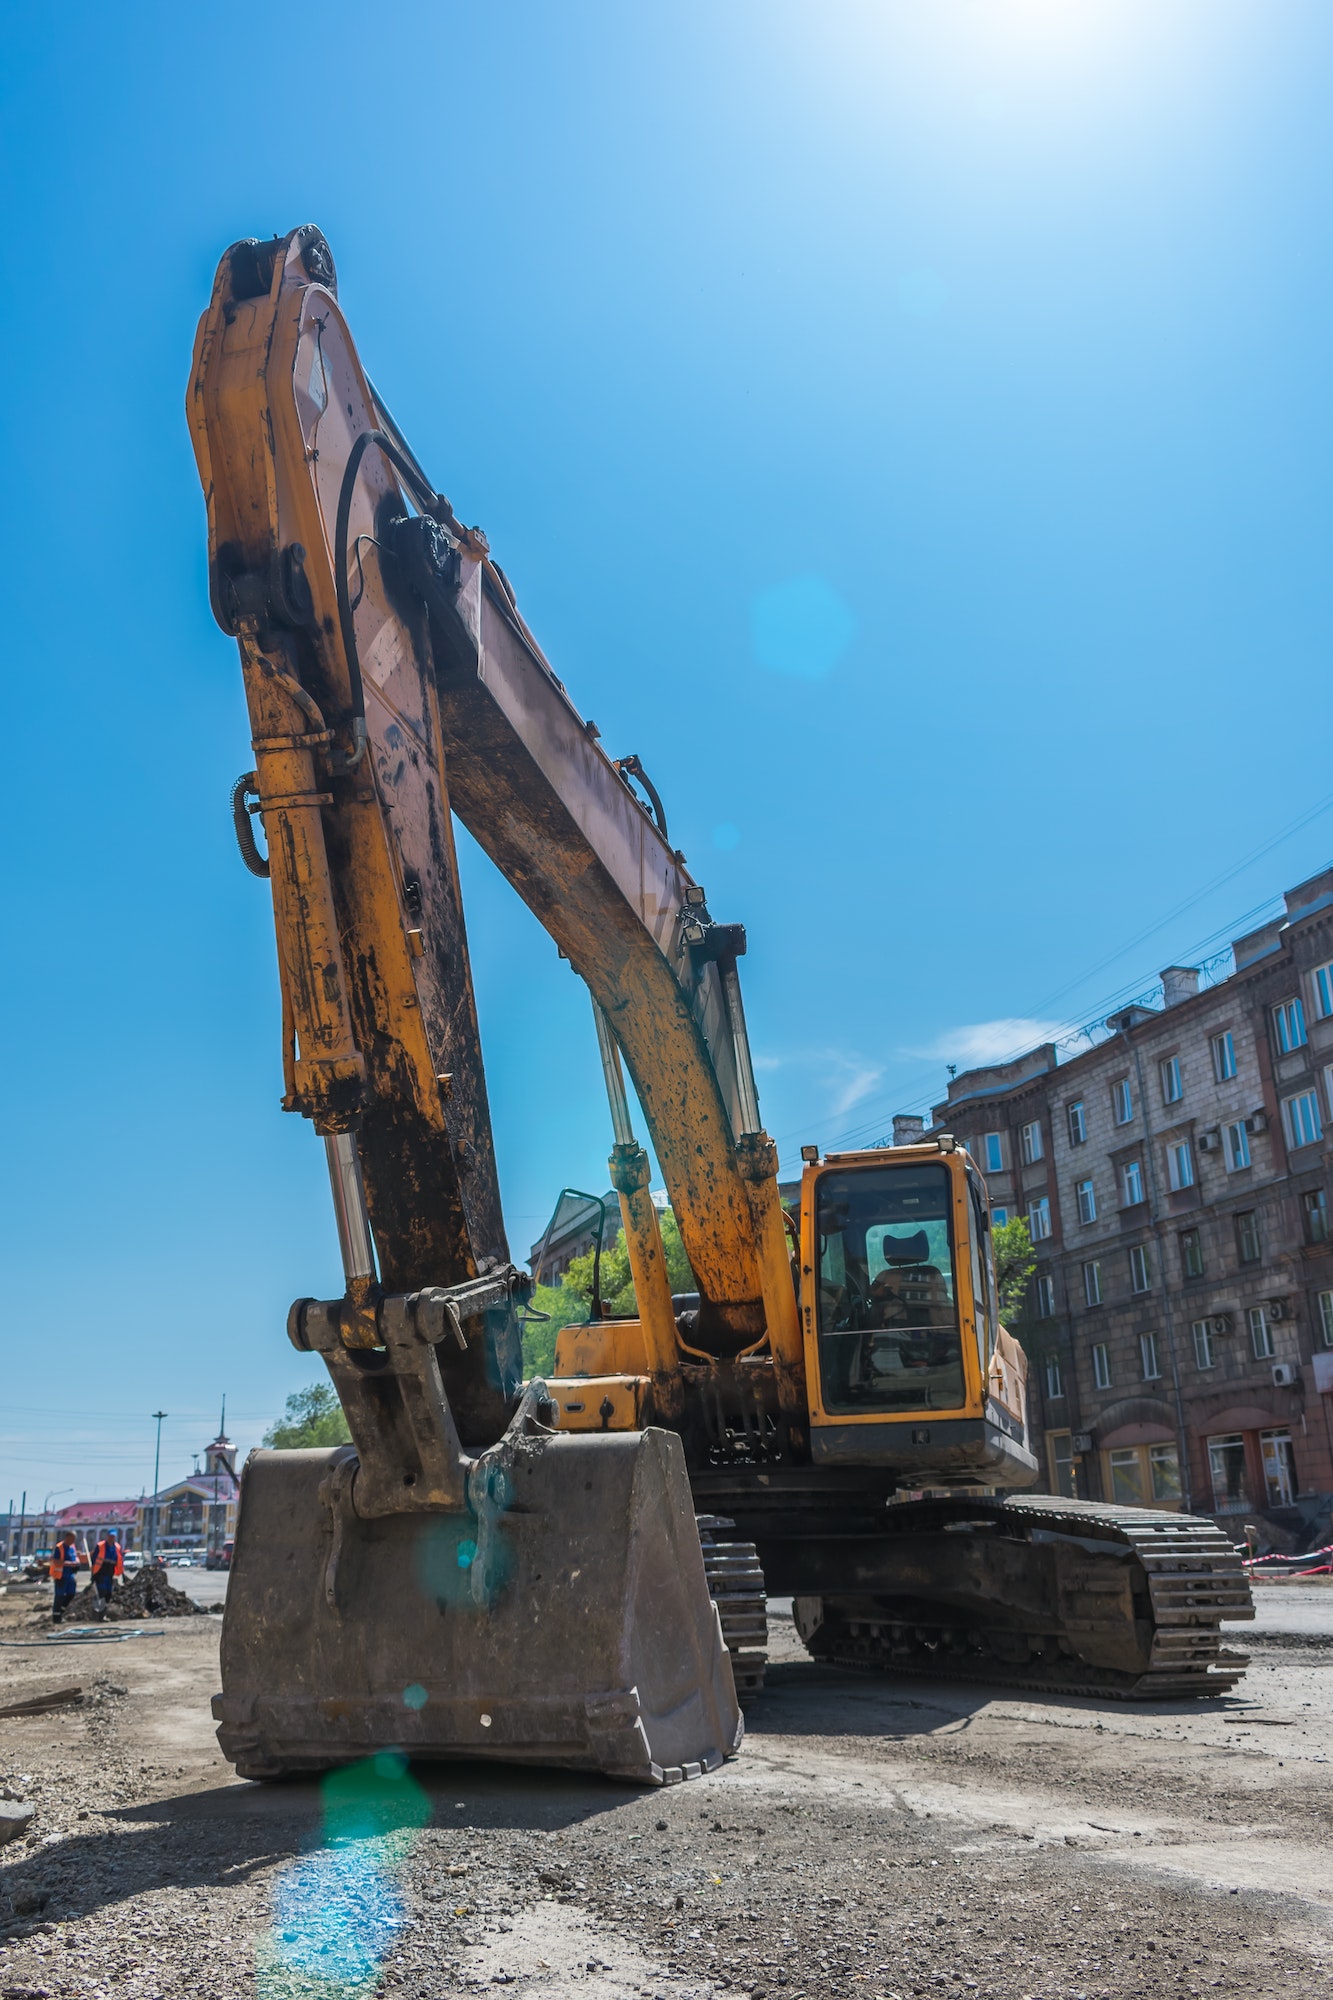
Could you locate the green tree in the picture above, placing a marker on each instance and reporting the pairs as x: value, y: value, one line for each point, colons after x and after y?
x: 1015, y: 1261
x: 570, y: 1302
x: 561, y: 1308
x: 313, y: 1416
x: 617, y: 1284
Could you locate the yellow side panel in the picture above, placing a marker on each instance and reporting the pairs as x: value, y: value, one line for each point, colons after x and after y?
x: 603, y: 1347
x: 601, y: 1403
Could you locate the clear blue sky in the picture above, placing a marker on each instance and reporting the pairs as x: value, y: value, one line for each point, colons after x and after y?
x: 907, y: 427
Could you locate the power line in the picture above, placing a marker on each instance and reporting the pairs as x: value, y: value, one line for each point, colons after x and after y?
x: 1071, y: 1030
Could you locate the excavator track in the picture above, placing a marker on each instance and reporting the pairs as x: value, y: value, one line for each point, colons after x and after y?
x: 1184, y: 1575
x: 736, y: 1585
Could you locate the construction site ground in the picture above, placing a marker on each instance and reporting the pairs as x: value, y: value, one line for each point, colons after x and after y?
x: 876, y: 1837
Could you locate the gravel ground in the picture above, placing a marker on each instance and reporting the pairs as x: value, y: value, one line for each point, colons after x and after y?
x: 876, y: 1837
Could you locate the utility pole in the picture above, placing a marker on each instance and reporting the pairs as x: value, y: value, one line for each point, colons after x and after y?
x: 158, y: 1415
x: 23, y: 1518
x: 215, y: 1538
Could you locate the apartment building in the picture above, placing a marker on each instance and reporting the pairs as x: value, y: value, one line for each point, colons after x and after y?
x: 1175, y: 1180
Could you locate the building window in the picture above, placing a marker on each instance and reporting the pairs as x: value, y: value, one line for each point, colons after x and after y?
x: 999, y: 1216
x: 1078, y: 1124
x: 1323, y: 991
x: 1140, y: 1276
x: 1172, y: 1088
x: 1238, y: 1146
x: 1180, y: 1166
x: 1148, y: 1355
x: 1205, y: 1355
x: 1191, y: 1254
x: 1164, y: 1470
x: 1301, y: 1114
x: 1314, y: 1204
x: 1141, y: 1474
x: 1326, y: 1317
x: 1328, y: 1088
x: 1289, y: 1026
x: 1101, y: 1365
x: 1039, y: 1219
x: 1063, y: 1477
x: 1261, y: 1334
x: 1279, y: 1463
x: 1087, y: 1202
x: 1029, y: 1142
x: 1131, y: 1183
x: 1127, y: 1477
x: 1092, y: 1284
x: 1248, y: 1247
x: 1055, y: 1388
x: 1122, y: 1101
x: 994, y: 1153
x: 1226, y: 1462
x: 1045, y: 1294
x: 1224, y: 1056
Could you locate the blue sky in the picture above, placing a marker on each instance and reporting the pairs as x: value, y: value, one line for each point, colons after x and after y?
x: 907, y: 427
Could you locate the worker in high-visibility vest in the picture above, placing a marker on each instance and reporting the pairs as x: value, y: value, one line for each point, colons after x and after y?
x: 108, y: 1562
x: 64, y: 1574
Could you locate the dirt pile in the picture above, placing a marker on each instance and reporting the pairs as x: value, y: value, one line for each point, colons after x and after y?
x: 147, y: 1594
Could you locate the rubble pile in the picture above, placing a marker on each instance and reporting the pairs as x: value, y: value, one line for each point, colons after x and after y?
x: 147, y: 1594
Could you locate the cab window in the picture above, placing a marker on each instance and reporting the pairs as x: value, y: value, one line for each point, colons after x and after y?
x: 888, y: 1316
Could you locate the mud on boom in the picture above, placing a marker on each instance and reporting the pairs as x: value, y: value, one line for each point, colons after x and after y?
x: 519, y: 1571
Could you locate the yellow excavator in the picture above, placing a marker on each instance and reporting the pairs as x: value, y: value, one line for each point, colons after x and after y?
x: 573, y: 1571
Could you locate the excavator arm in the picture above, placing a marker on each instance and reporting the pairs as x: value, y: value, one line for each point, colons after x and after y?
x: 353, y: 588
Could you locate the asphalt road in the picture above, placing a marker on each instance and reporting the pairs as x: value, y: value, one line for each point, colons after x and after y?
x: 205, y: 1586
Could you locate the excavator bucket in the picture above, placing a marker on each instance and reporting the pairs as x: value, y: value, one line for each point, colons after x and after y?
x: 563, y: 1619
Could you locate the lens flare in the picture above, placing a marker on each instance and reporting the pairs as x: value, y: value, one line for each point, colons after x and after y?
x: 337, y: 1910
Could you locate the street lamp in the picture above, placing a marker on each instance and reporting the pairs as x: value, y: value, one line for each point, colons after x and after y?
x: 158, y: 1415
x: 54, y: 1494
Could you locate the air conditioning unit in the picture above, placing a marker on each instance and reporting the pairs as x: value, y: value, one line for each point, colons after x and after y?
x: 1284, y: 1374
x: 1081, y: 1442
x: 1209, y: 1142
x: 1277, y: 1309
x: 1257, y: 1122
x: 1220, y: 1325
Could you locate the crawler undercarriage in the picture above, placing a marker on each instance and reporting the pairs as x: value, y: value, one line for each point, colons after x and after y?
x: 1030, y: 1591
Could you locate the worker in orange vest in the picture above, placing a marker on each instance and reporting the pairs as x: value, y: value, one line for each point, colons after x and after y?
x: 108, y: 1563
x: 64, y: 1574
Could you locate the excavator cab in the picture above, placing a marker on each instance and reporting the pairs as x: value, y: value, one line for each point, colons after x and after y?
x: 907, y: 1365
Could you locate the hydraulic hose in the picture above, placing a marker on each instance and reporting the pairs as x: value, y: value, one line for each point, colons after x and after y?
x: 247, y: 786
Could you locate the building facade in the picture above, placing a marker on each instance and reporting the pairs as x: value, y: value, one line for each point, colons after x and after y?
x: 89, y: 1520
x: 197, y: 1515
x: 1175, y: 1181
x: 572, y: 1232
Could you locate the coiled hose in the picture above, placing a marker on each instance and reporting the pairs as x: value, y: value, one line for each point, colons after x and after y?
x: 247, y: 786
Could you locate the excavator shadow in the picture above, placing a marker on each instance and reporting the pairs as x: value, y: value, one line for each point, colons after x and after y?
x: 225, y: 1836
x: 805, y: 1698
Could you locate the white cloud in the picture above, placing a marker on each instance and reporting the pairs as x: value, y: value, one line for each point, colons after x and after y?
x: 858, y: 1085
x: 844, y: 1074
x: 990, y: 1041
